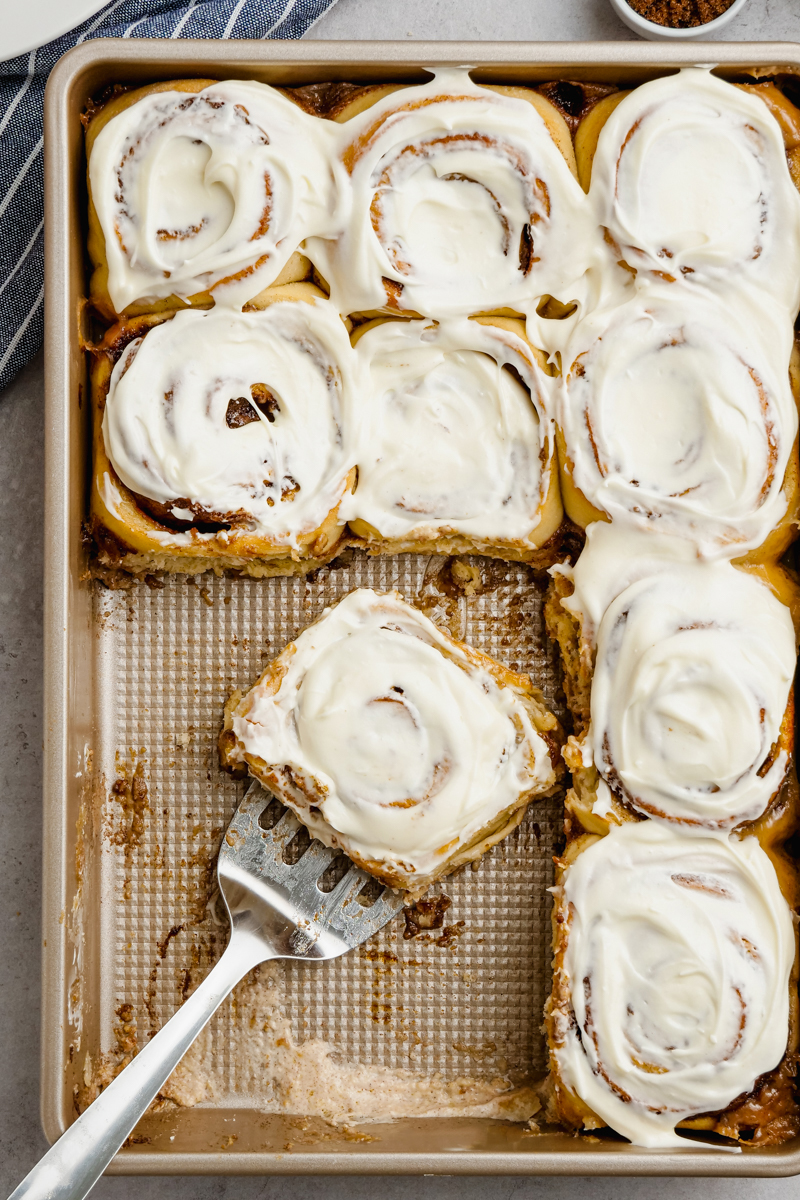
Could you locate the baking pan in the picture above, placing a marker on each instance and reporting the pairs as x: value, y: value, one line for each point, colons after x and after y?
x: 445, y: 1024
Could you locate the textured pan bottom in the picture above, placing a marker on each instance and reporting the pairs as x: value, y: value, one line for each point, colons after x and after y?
x: 454, y: 1013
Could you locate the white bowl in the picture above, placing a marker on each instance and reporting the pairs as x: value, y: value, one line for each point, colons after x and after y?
x: 35, y: 22
x: 664, y: 33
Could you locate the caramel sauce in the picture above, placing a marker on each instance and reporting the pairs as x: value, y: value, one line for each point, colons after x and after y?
x: 574, y: 100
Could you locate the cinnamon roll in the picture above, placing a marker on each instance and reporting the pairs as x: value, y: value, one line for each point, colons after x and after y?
x: 691, y: 716
x: 679, y: 418
x: 411, y: 752
x: 690, y: 181
x: 219, y: 438
x: 201, y: 189
x: 464, y: 200
x: 671, y: 979
x: 455, y: 448
x: 659, y: 678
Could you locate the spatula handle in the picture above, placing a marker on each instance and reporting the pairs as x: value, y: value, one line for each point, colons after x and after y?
x: 74, y: 1164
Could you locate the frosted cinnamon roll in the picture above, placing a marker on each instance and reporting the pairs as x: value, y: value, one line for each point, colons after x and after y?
x: 691, y: 719
x: 410, y: 751
x: 578, y: 595
x: 679, y: 418
x: 200, y: 188
x: 671, y: 979
x: 691, y: 183
x: 464, y: 200
x: 455, y: 448
x: 219, y: 437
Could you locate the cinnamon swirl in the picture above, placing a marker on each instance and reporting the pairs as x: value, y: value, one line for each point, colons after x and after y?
x: 671, y: 979
x: 199, y: 188
x: 679, y: 418
x: 219, y: 439
x: 410, y: 751
x: 455, y: 447
x: 464, y: 201
x: 690, y: 181
x: 691, y: 712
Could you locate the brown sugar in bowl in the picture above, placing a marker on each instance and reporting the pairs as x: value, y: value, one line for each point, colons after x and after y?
x: 667, y: 20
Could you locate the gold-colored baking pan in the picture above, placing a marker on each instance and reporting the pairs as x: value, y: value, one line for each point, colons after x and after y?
x: 134, y: 801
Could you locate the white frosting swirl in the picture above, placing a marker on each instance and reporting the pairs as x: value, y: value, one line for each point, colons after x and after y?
x: 693, y: 672
x: 461, y: 201
x: 401, y: 739
x: 613, y: 557
x: 449, y: 440
x: 690, y: 179
x: 675, y: 418
x: 192, y: 189
x: 174, y: 424
x: 677, y: 965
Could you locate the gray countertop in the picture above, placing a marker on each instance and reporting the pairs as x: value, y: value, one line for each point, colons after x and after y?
x: 21, y: 421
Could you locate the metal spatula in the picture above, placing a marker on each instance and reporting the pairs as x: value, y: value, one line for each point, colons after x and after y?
x: 273, y: 883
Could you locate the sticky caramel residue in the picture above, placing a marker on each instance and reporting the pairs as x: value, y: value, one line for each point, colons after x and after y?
x: 130, y: 793
x: 427, y: 913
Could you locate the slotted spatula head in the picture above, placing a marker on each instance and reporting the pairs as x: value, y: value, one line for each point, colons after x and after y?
x: 271, y: 892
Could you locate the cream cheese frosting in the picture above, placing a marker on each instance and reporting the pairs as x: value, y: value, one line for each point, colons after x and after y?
x: 691, y: 181
x: 461, y: 202
x: 192, y: 189
x: 613, y: 557
x: 399, y: 744
x: 240, y: 414
x: 692, y: 677
x: 447, y: 438
x: 677, y: 417
x: 677, y: 965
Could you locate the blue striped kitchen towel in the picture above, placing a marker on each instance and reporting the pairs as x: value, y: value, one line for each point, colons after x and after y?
x: 22, y: 83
